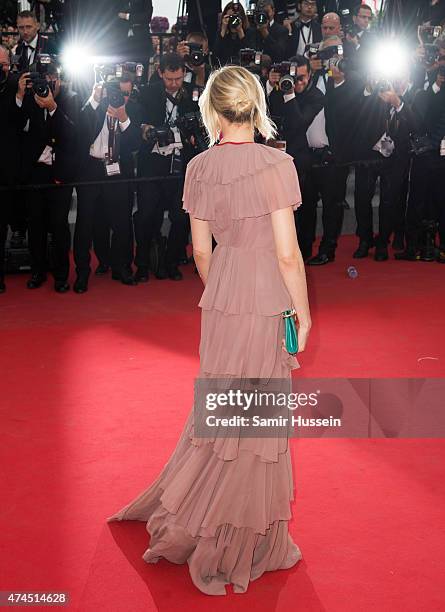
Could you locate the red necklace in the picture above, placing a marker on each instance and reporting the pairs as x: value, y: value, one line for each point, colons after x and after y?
x: 220, y: 144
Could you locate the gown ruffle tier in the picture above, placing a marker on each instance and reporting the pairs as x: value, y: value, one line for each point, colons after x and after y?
x: 223, y: 504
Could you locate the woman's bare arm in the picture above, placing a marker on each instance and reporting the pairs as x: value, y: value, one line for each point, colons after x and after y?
x: 292, y: 269
x: 202, y: 246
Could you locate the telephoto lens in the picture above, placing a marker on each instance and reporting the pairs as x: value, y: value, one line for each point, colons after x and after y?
x: 39, y: 84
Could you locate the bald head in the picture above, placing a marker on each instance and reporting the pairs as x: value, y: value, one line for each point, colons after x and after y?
x: 330, y: 25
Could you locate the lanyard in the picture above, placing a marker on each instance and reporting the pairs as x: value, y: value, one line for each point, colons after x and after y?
x: 111, y: 124
x: 309, y: 38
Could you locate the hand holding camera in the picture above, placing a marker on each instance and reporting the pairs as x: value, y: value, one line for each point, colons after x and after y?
x: 440, y: 79
x: 47, y: 101
x: 182, y: 48
x: 23, y: 84
x: 97, y: 92
x: 119, y: 113
x: 390, y: 97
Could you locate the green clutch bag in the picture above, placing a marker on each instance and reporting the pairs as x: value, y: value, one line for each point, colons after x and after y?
x: 290, y: 332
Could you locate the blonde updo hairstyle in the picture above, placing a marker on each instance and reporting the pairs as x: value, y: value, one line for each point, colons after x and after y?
x: 237, y: 95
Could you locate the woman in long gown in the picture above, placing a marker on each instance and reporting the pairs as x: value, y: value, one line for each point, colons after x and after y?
x: 223, y: 504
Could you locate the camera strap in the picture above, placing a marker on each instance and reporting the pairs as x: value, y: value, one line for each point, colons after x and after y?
x: 112, y: 148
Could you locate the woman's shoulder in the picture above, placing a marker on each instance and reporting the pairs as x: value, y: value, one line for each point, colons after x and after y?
x: 227, y: 163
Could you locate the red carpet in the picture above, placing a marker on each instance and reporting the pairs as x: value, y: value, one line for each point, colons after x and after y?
x: 95, y: 391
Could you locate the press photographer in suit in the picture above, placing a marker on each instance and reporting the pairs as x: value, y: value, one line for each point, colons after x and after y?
x: 270, y: 37
x: 50, y: 112
x: 305, y: 30
x: 110, y: 133
x: 9, y: 152
x: 295, y: 109
x: 32, y: 42
x: 384, y: 137
x: 165, y: 153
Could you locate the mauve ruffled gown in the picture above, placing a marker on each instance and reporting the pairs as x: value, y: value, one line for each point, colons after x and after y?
x: 223, y: 505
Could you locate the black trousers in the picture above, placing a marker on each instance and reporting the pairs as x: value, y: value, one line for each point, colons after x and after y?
x: 48, y: 211
x: 393, y: 172
x: 111, y: 199
x: 426, y: 197
x: 104, y: 240
x: 153, y: 198
x: 327, y: 182
x: 6, y: 209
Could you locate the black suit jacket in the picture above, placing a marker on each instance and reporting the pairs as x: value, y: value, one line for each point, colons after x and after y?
x: 297, y: 115
x: 11, y: 127
x: 294, y: 39
x: 128, y: 141
x: 44, y: 45
x: 153, y: 103
x: 342, y: 112
x: 59, y: 131
x: 273, y: 45
x: 376, y: 120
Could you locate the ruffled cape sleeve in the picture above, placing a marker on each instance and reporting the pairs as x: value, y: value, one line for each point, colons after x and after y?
x: 253, y: 184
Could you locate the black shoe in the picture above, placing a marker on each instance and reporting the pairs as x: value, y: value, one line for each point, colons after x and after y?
x: 141, y: 275
x: 36, y: 281
x: 320, y: 259
x: 381, y: 253
x: 81, y: 282
x: 61, y: 286
x: 407, y: 255
x: 174, y: 272
x: 428, y: 254
x: 441, y: 255
x: 161, y: 273
x: 125, y: 277
x: 363, y: 249
x: 398, y: 243
x: 2, y: 285
x: 101, y: 269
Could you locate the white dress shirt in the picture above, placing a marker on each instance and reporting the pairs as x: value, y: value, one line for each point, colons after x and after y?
x: 99, y: 148
x: 304, y: 38
x: 31, y: 49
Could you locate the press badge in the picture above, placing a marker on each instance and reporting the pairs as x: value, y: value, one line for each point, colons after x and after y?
x: 113, y: 168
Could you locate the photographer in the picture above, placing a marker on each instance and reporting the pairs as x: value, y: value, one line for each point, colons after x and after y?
x: 306, y: 30
x: 296, y: 107
x: 296, y: 110
x: 266, y: 34
x: 383, y: 137
x: 430, y: 63
x: 329, y: 137
x: 195, y: 52
x: 32, y: 43
x: 426, y: 203
x: 9, y: 152
x: 110, y: 133
x: 165, y: 153
x: 232, y: 34
x: 50, y: 113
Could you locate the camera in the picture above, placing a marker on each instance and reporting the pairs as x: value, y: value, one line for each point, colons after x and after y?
x: 256, y: 16
x: 105, y: 72
x: 288, y: 71
x: 43, y: 65
x: 346, y: 18
x: 162, y: 135
x: 191, y: 124
x: 250, y: 59
x: 114, y: 94
x: 196, y: 56
x: 329, y: 57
